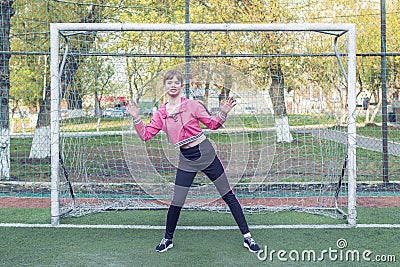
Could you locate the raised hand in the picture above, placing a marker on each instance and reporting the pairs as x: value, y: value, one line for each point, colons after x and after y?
x: 133, y: 109
x: 227, y: 105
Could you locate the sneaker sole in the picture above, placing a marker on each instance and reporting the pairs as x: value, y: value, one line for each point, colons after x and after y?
x: 165, y: 249
x: 247, y: 246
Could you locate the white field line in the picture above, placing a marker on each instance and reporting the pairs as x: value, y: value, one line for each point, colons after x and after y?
x: 155, y: 227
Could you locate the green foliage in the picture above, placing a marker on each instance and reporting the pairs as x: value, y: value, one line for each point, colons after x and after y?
x: 30, y: 33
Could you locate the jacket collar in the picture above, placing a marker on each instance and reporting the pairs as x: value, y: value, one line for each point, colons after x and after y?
x: 182, y: 108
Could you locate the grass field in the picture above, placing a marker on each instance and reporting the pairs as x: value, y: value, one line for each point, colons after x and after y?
x: 44, y: 246
x: 94, y: 245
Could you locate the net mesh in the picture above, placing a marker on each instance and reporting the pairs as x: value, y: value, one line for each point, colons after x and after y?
x: 283, y: 145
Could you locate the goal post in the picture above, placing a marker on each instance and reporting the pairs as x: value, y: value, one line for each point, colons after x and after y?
x: 274, y: 168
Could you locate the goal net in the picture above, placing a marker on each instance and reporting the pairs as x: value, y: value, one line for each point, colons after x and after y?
x: 289, y: 144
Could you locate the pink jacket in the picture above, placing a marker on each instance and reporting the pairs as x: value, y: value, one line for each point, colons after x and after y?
x: 182, y: 127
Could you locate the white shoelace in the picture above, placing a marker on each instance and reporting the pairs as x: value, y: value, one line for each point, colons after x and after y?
x: 251, y: 240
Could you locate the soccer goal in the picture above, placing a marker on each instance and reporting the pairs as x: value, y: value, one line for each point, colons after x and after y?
x: 289, y: 144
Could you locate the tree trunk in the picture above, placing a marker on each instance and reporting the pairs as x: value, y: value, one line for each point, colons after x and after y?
x: 41, y: 141
x: 6, y: 13
x: 227, y: 86
x: 97, y: 105
x: 277, y: 94
x: 207, y: 86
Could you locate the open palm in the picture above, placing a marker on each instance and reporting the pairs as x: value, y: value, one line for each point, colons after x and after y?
x: 133, y: 109
x: 227, y: 105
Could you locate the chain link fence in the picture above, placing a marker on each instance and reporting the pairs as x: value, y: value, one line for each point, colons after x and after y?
x: 24, y: 68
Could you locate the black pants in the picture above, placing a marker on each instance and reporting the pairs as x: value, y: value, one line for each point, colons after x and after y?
x: 192, y: 160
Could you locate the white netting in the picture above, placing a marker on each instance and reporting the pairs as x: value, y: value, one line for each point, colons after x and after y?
x: 283, y: 146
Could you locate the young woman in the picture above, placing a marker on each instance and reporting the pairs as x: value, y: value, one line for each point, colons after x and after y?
x: 179, y: 118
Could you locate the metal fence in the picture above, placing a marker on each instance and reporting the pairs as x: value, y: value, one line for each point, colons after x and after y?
x: 25, y: 70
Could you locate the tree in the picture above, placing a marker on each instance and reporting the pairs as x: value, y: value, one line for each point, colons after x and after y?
x: 141, y: 71
x: 41, y: 141
x: 270, y: 73
x: 101, y: 73
x: 366, y: 16
x: 7, y: 12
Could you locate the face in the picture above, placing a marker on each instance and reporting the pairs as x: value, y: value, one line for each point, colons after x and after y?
x: 173, y: 87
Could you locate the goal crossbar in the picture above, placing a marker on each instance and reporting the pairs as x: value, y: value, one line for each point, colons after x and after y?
x: 163, y: 27
x: 57, y: 28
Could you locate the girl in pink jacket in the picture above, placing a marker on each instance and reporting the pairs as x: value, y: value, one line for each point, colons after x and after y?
x: 179, y: 118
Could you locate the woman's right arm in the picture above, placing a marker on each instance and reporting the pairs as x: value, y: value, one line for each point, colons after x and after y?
x: 145, y: 132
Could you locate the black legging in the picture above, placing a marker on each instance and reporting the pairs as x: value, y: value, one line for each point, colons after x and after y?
x: 192, y: 160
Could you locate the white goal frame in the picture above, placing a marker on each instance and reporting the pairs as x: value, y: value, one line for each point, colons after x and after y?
x: 56, y: 28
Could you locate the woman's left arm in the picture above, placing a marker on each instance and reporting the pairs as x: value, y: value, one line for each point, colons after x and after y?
x: 227, y: 105
x: 214, y: 122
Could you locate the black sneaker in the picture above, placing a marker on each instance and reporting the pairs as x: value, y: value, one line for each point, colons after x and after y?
x: 164, y: 245
x: 251, y: 245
